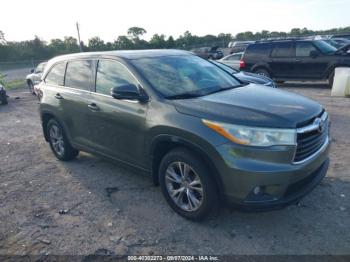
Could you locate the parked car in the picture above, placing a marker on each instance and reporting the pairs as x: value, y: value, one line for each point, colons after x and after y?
x: 232, y: 60
x: 208, y: 52
x: 204, y: 136
x: 3, y: 95
x: 239, y: 46
x: 294, y: 59
x: 245, y: 77
x: 35, y: 76
x: 346, y: 36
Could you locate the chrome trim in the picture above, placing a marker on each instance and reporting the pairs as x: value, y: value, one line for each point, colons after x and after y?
x: 323, y: 147
x: 313, y: 126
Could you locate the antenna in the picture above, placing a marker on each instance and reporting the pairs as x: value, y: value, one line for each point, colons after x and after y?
x: 80, y: 47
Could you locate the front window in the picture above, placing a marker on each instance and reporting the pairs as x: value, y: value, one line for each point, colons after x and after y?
x: 187, y: 76
x: 304, y: 49
x: 324, y: 47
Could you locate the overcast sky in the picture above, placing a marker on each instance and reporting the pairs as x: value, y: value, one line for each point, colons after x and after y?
x: 21, y: 20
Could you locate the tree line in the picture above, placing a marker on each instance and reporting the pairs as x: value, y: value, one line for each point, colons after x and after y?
x: 38, y: 49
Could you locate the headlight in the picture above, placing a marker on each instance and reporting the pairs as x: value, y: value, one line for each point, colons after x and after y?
x: 253, y: 136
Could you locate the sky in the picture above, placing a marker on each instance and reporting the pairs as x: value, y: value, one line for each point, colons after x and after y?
x: 22, y: 20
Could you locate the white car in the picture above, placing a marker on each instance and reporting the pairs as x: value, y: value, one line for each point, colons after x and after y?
x: 34, y: 77
x: 232, y: 60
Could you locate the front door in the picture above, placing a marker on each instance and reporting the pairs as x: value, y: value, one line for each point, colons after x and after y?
x: 117, y: 126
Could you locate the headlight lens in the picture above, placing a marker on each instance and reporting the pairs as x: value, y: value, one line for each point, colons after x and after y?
x: 253, y: 136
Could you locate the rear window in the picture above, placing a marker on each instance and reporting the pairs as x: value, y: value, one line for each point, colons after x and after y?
x: 283, y: 50
x: 56, y: 75
x: 79, y: 74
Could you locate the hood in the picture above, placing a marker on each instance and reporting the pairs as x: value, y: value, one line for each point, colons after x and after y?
x: 252, y: 105
x: 252, y: 78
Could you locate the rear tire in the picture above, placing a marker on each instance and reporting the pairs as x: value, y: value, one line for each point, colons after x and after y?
x: 3, y: 99
x: 187, y: 185
x: 59, y: 143
x: 262, y: 72
x: 331, y: 80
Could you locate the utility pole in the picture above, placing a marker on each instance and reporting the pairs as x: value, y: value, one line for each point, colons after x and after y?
x: 80, y: 47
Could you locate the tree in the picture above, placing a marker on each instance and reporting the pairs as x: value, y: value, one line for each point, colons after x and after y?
x: 96, y: 44
x: 136, y: 32
x: 123, y: 42
x: 158, y: 41
x: 2, y: 38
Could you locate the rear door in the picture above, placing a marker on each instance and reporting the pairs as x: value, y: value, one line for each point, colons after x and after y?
x: 117, y: 126
x: 309, y: 67
x: 75, y: 99
x: 283, y: 62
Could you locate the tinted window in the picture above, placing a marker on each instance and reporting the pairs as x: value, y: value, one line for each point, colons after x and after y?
x: 283, y: 50
x: 56, y: 75
x: 79, y: 75
x: 111, y: 74
x: 304, y: 49
x: 257, y: 50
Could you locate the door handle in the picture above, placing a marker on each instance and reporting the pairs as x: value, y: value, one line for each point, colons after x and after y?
x: 297, y: 60
x: 58, y: 96
x: 93, y: 107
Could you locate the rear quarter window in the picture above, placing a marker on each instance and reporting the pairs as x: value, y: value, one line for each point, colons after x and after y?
x: 56, y: 75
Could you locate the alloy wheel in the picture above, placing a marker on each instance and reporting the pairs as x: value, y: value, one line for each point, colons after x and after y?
x: 56, y: 138
x: 184, y: 186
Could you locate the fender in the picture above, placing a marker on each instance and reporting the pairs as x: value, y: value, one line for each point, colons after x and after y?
x: 180, y: 141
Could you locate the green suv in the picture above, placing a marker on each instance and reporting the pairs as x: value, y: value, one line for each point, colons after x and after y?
x: 204, y: 136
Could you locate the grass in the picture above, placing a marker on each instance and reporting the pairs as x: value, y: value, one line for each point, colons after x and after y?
x: 14, y: 84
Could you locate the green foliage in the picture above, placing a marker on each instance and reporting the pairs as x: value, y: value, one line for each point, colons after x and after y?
x: 38, y: 49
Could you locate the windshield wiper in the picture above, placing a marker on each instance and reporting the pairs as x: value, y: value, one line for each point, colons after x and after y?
x: 183, y: 96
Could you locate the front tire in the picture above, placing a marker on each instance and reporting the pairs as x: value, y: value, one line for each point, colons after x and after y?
x: 31, y: 87
x: 3, y: 99
x: 59, y: 143
x: 186, y: 184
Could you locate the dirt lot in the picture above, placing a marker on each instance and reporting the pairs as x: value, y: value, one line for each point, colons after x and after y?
x: 92, y: 206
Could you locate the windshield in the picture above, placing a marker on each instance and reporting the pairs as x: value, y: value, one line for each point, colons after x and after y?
x: 176, y: 76
x: 325, y: 47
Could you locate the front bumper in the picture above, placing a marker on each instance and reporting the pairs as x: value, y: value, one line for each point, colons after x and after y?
x: 269, y: 183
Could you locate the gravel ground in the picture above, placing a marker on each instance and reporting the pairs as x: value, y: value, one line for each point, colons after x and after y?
x: 93, y: 206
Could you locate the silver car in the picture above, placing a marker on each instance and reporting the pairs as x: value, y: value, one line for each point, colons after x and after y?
x: 232, y: 60
x: 34, y: 77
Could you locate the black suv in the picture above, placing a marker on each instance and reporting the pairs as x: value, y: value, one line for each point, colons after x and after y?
x: 294, y: 59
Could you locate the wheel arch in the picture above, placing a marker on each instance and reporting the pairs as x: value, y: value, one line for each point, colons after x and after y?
x: 165, y: 143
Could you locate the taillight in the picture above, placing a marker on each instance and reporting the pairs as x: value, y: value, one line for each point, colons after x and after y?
x: 241, y: 64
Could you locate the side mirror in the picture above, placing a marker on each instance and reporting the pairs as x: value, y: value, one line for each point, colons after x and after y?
x: 129, y: 92
x: 314, y: 53
x: 32, y: 71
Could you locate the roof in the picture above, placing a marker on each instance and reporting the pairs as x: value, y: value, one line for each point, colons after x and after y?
x: 127, y: 54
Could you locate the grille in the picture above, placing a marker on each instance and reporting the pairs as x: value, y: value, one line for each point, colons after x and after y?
x: 310, y: 138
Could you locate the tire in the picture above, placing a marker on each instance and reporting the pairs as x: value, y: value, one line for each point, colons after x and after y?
x: 59, y: 143
x: 331, y: 80
x: 196, y: 194
x: 31, y: 87
x: 263, y: 72
x: 3, y: 99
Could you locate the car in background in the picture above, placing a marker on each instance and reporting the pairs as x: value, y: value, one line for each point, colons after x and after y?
x: 239, y: 46
x: 245, y: 77
x: 209, y: 52
x: 341, y: 41
x: 232, y: 60
x: 3, y: 95
x: 34, y: 77
x: 294, y: 59
x: 346, y: 36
